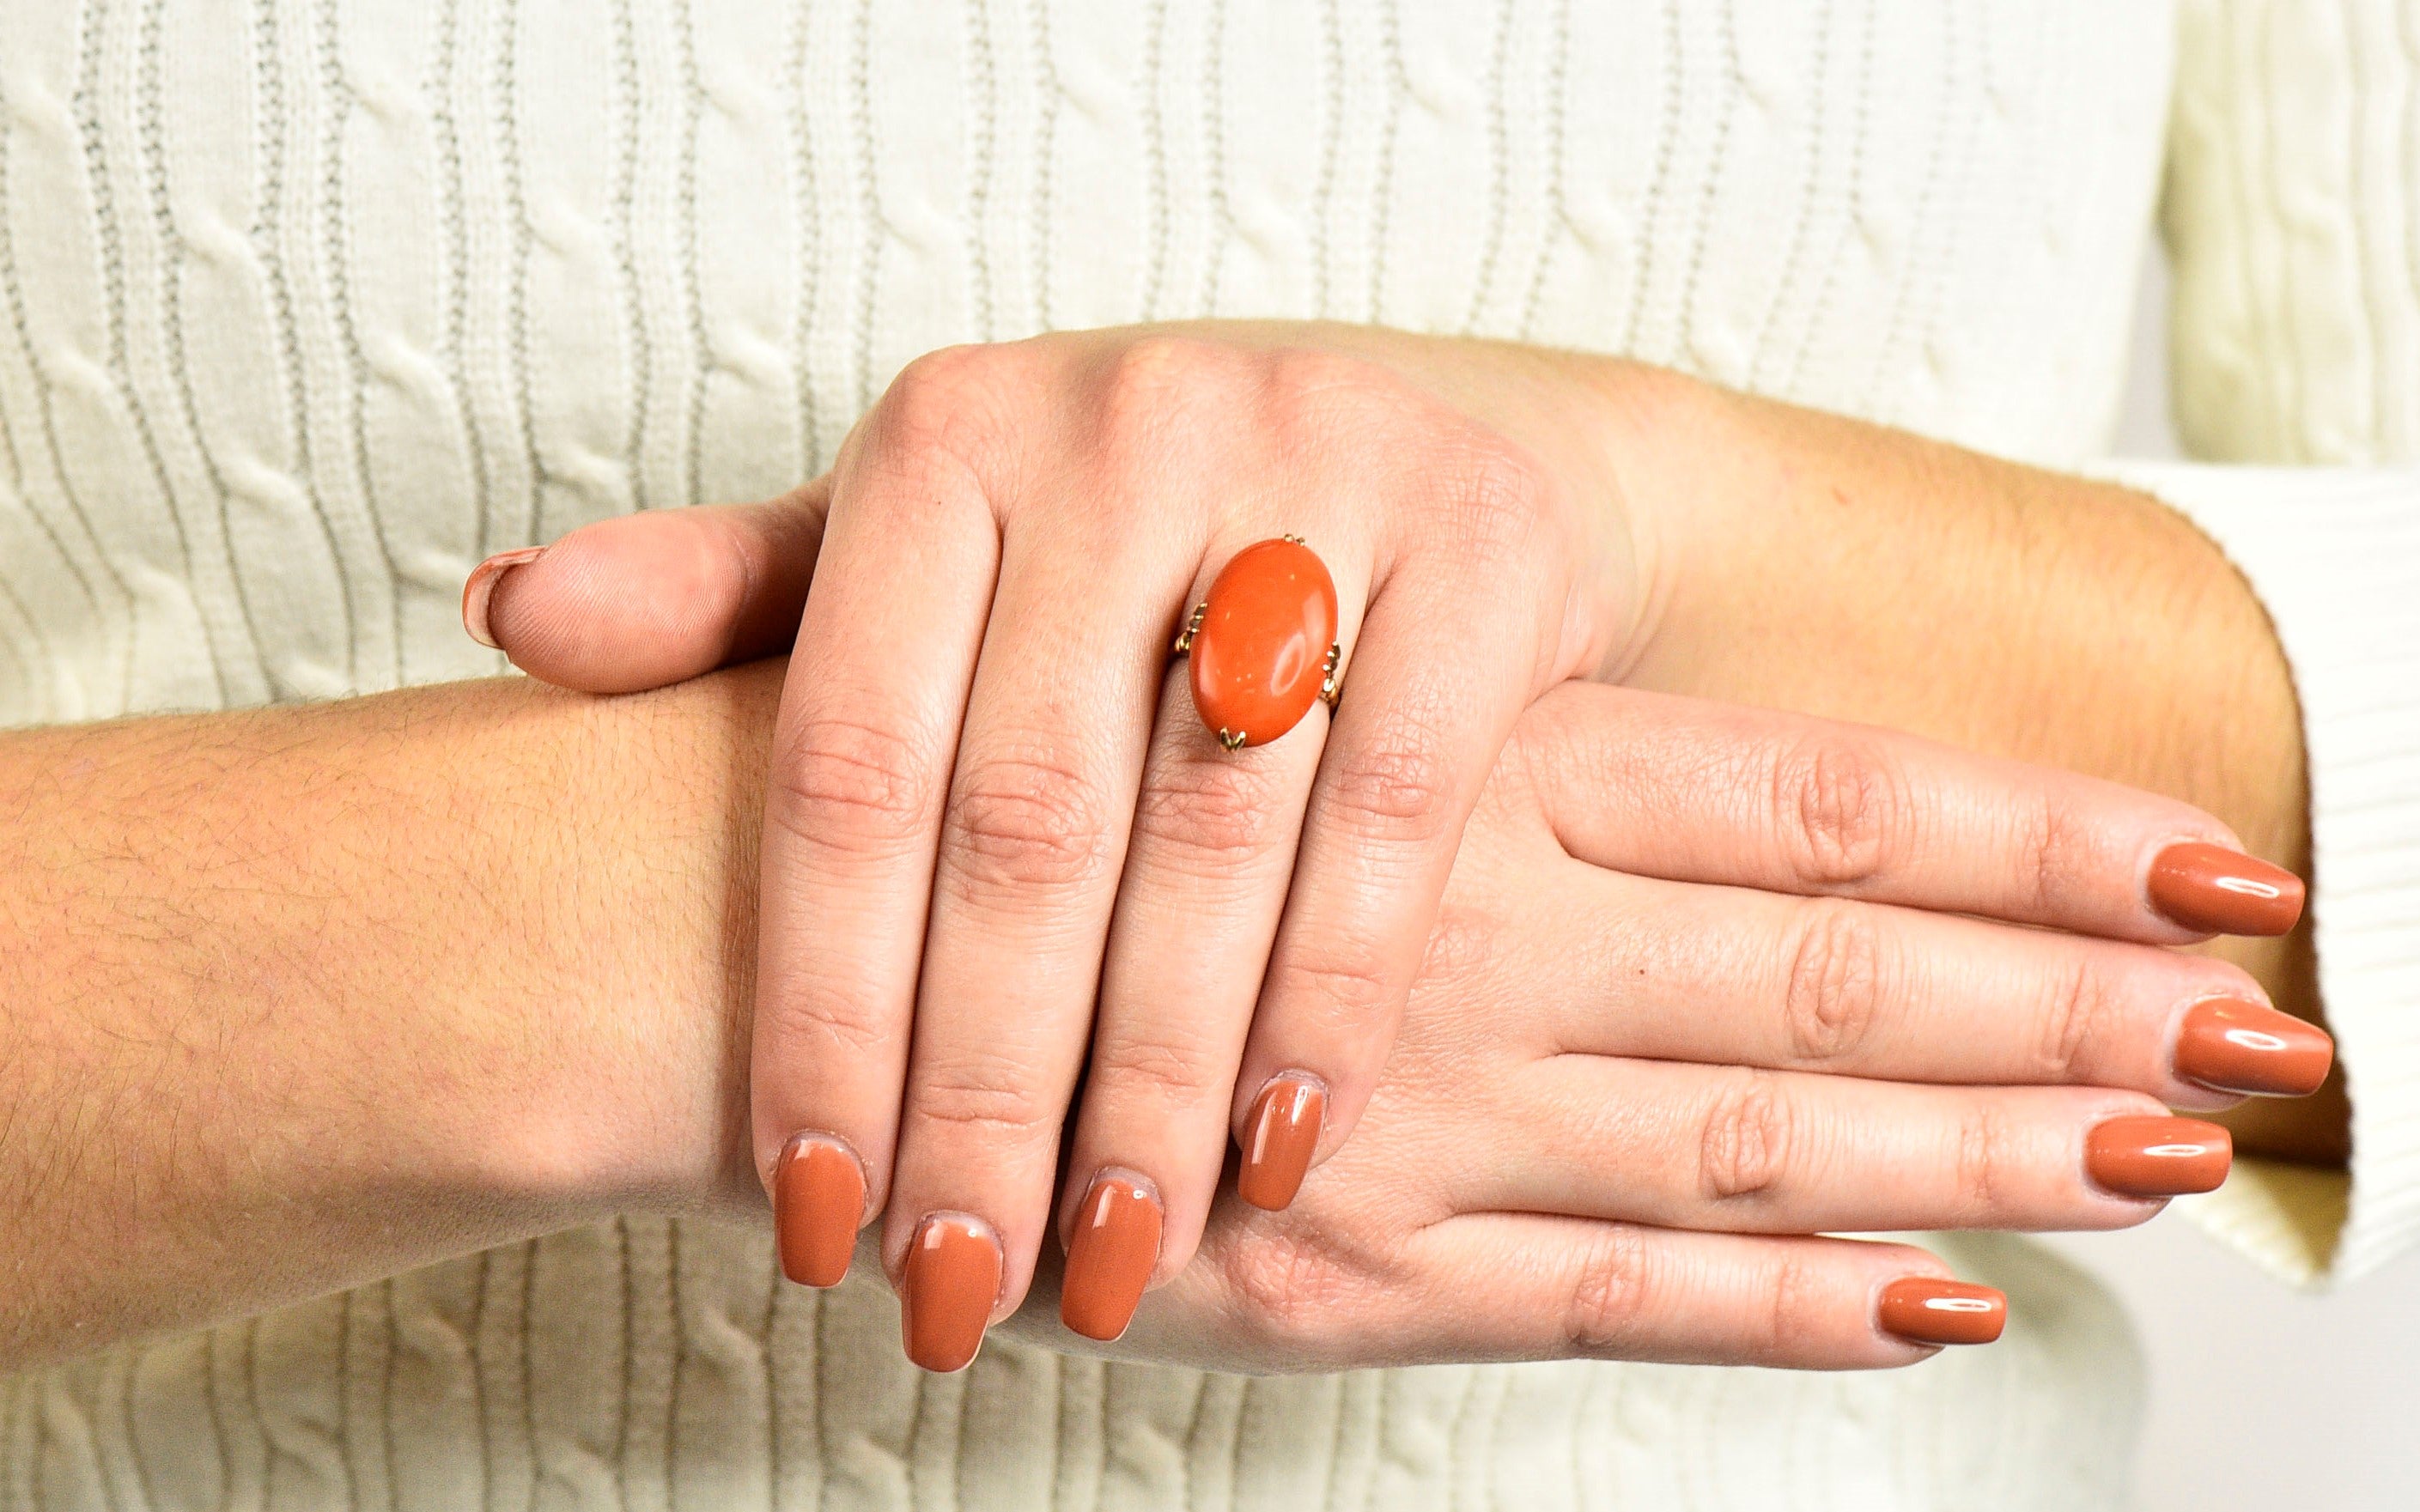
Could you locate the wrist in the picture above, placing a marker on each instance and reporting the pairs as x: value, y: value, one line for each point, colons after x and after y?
x: 1649, y: 429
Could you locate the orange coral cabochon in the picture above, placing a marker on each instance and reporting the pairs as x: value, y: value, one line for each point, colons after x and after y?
x: 1260, y: 652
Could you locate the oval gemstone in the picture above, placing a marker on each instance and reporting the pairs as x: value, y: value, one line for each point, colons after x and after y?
x: 1260, y: 651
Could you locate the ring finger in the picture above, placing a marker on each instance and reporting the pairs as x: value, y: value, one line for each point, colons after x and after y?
x: 1728, y: 976
x: 1206, y: 877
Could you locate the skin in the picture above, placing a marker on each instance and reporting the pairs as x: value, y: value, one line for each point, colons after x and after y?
x: 1821, y: 564
x: 999, y: 855
x: 308, y: 995
x: 1663, y: 532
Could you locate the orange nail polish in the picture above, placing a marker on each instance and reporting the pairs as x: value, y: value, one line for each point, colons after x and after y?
x: 1110, y: 1257
x: 2158, y: 1157
x: 2213, y: 891
x: 2236, y: 1046
x: 1279, y: 1139
x: 953, y: 1279
x: 1926, y: 1309
x: 819, y: 1205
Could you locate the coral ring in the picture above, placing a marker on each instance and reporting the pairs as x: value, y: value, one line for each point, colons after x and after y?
x: 1262, y: 642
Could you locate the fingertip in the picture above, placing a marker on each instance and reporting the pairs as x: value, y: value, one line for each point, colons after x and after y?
x: 2217, y: 889
x: 479, y: 591
x: 612, y: 608
x: 1112, y: 1254
x: 1933, y: 1311
x: 640, y: 601
x: 1280, y: 1136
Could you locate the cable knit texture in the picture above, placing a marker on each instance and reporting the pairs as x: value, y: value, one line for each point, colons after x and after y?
x: 2292, y: 218
x: 308, y: 305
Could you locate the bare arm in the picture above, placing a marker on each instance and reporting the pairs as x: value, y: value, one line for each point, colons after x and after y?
x: 304, y: 996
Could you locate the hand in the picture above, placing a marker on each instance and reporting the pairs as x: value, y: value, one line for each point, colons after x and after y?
x: 1625, y: 1082
x: 1624, y: 931
x: 993, y: 806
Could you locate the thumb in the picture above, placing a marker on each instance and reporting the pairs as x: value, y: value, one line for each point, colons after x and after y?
x: 643, y: 600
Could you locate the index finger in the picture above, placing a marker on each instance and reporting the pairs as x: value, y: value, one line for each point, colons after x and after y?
x: 1790, y: 803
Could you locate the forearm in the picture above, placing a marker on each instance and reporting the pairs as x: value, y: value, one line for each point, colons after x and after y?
x: 1811, y: 563
x: 302, y: 997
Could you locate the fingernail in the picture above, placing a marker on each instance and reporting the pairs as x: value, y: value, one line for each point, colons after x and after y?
x: 1280, y: 1138
x: 1110, y: 1261
x: 819, y: 1205
x: 1925, y: 1309
x: 953, y: 1279
x: 2213, y: 891
x: 2235, y: 1046
x: 2158, y: 1157
x: 480, y: 587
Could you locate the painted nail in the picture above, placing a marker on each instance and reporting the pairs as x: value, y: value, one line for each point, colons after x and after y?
x: 1279, y: 1139
x: 1925, y: 1309
x: 2158, y: 1157
x: 2235, y: 1046
x: 819, y: 1205
x: 953, y: 1279
x: 2213, y: 891
x: 480, y: 587
x: 1110, y: 1259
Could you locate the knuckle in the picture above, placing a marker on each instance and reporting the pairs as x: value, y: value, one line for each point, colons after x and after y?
x: 947, y: 404
x: 1210, y: 817
x: 1745, y: 1146
x: 1982, y: 1162
x: 2077, y: 1010
x: 988, y: 1103
x: 1170, y: 1069
x: 1792, y: 1307
x: 1840, y: 807
x: 854, y: 1028
x: 1026, y: 821
x: 1833, y: 989
x: 1609, y: 1295
x: 1305, y: 398
x: 1150, y: 384
x: 1396, y: 789
x: 1353, y: 990
x: 2054, y: 852
x: 852, y: 785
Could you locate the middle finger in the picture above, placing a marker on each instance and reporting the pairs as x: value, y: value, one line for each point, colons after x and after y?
x: 1731, y: 975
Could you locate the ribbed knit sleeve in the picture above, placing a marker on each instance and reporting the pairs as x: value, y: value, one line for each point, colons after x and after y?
x: 2334, y: 555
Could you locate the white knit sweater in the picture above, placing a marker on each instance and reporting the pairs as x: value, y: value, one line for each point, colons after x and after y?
x: 305, y: 306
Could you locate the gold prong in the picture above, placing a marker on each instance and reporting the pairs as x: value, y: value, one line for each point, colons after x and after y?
x: 1296, y: 539
x: 1231, y: 739
x: 1192, y: 628
x: 1331, y: 689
